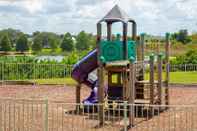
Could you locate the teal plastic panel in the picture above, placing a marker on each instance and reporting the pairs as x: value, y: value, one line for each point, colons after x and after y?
x: 113, y: 50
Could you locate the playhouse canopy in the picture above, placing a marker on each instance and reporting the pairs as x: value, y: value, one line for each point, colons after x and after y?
x: 116, y: 14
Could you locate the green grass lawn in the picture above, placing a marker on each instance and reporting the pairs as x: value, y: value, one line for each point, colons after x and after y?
x: 175, y: 77
x: 180, y: 77
x: 183, y: 77
x: 67, y: 81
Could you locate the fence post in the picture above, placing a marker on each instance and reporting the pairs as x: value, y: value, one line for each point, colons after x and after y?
x: 1, y: 125
x: 125, y: 115
x: 46, y: 115
x: 2, y: 73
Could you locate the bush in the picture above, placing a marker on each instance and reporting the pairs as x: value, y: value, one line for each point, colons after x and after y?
x: 189, y: 58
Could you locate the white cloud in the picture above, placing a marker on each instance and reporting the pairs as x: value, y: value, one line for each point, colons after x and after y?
x: 33, y: 5
x: 152, y: 16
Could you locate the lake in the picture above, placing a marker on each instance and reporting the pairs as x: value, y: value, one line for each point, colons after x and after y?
x: 58, y: 58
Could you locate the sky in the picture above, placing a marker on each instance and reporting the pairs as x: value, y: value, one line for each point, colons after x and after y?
x: 152, y: 16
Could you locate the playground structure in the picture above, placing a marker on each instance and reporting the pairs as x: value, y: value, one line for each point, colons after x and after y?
x: 120, y: 68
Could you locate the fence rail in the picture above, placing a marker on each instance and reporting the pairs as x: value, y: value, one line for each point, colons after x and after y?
x: 44, y: 115
x: 35, y: 71
x: 29, y: 71
x: 183, y: 67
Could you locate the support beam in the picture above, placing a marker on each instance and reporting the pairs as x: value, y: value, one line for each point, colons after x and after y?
x: 167, y: 78
x: 138, y: 49
x: 142, y: 43
x: 109, y: 31
x: 132, y: 94
x: 124, y: 84
x: 159, y: 60
x: 100, y: 77
x: 125, y: 47
x: 142, y: 46
x: 78, y: 96
x: 134, y: 31
x: 152, y: 79
x: 101, y: 81
x: 158, y: 47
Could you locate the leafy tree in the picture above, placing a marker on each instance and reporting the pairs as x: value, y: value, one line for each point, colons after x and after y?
x: 22, y: 44
x: 193, y: 37
x: 67, y: 43
x: 37, y: 43
x: 36, y: 33
x: 5, y: 44
x: 54, y: 42
x: 189, y: 58
x: 13, y: 35
x: 92, y: 41
x: 82, y: 41
x: 181, y: 36
x: 45, y: 40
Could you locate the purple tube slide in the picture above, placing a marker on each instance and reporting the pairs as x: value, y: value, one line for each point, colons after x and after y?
x: 80, y: 73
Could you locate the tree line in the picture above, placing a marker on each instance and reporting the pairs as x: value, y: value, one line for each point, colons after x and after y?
x: 15, y: 40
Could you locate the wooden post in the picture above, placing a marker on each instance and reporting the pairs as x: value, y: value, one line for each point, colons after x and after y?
x: 167, y: 48
x: 132, y: 93
x: 125, y: 47
x: 100, y: 77
x: 46, y: 128
x: 142, y: 43
x: 109, y: 31
x: 152, y: 79
x: 101, y: 81
x: 134, y: 30
x: 124, y: 78
x: 158, y: 47
x: 138, y: 49
x: 159, y: 60
x: 78, y: 96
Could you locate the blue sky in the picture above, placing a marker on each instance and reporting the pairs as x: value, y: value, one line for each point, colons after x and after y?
x: 153, y: 16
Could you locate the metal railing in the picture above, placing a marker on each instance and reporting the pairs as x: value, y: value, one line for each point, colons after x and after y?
x: 32, y: 71
x: 183, y: 67
x: 27, y: 71
x: 44, y: 115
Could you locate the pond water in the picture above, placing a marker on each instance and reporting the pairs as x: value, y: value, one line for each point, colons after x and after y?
x: 58, y: 58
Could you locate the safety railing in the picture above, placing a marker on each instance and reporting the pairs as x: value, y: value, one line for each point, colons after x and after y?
x: 44, y: 115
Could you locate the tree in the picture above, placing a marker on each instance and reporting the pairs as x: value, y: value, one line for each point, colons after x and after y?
x: 5, y: 44
x: 36, y: 33
x: 46, y: 40
x: 67, y: 43
x: 37, y: 43
x: 92, y: 41
x: 53, y: 42
x: 12, y: 34
x: 193, y: 37
x: 183, y: 37
x: 82, y: 41
x: 22, y: 44
x: 190, y: 57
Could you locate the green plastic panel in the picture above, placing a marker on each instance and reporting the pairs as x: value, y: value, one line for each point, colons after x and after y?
x: 113, y: 50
